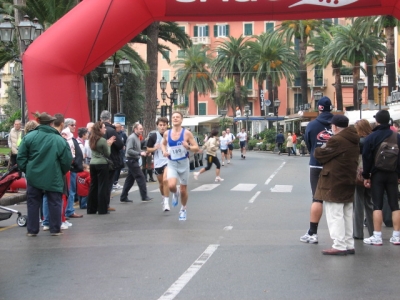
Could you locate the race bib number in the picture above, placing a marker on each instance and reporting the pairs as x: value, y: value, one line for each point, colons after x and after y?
x: 177, y: 152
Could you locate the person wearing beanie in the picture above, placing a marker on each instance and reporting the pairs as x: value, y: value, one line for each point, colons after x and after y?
x: 379, y: 180
x: 336, y: 185
x: 318, y: 132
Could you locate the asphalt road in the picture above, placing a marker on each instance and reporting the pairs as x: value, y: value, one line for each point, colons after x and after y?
x: 240, y: 241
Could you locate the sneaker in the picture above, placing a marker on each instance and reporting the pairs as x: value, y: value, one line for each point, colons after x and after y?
x: 46, y: 228
x: 312, y: 239
x: 223, y: 163
x: 64, y: 226
x: 113, y: 190
x: 166, y: 205
x: 175, y: 197
x: 244, y: 157
x: 395, y: 240
x: 229, y: 161
x: 217, y: 179
x: 196, y: 175
x: 31, y: 234
x: 68, y: 223
x: 241, y: 155
x: 373, y: 240
x: 117, y: 186
x: 182, y: 215
x: 57, y: 233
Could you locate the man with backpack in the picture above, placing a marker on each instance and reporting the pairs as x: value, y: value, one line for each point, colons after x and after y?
x: 381, y: 170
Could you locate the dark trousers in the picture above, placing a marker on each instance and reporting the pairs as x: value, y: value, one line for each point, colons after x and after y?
x: 99, y: 195
x: 111, y: 174
x: 34, y: 197
x: 13, y: 160
x: 134, y: 173
x: 382, y: 181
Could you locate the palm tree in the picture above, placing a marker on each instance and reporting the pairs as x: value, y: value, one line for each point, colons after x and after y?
x: 354, y: 44
x: 193, y: 73
x: 301, y: 31
x: 229, y: 62
x: 269, y: 58
x: 167, y: 31
x: 319, y: 57
x: 226, y: 94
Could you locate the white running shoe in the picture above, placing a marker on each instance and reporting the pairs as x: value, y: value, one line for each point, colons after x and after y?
x: 218, y: 179
x: 46, y: 228
x: 69, y: 224
x: 175, y: 197
x: 229, y: 161
x: 223, y: 163
x: 312, y: 239
x: 373, y: 240
x: 182, y: 215
x: 166, y: 205
x: 395, y: 240
x: 196, y: 175
x: 64, y: 226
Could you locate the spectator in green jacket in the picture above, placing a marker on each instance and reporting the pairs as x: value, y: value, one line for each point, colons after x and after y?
x: 45, y: 157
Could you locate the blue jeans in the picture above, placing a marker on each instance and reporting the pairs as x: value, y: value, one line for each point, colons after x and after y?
x: 83, y: 201
x: 294, y: 149
x: 45, y: 211
x: 71, y: 198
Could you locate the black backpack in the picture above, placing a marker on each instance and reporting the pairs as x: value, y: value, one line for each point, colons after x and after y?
x: 387, y: 153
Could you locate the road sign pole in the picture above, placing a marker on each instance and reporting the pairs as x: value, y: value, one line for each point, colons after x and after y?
x: 96, y: 97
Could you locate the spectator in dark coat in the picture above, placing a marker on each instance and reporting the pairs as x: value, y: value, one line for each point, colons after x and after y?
x: 280, y: 139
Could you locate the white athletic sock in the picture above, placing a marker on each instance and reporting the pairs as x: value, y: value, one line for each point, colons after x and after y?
x: 378, y: 234
x: 396, y: 233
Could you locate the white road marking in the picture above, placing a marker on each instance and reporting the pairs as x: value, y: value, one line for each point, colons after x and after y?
x: 178, y: 285
x: 205, y: 187
x: 282, y: 189
x: 227, y: 228
x: 254, y: 197
x: 276, y: 172
x: 244, y: 187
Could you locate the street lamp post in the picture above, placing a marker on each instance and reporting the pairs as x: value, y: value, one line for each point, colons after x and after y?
x: 28, y: 32
x: 173, y: 95
x: 125, y: 68
x: 246, y: 111
x: 277, y: 103
x: 109, y: 64
x: 360, y: 88
x: 380, y: 70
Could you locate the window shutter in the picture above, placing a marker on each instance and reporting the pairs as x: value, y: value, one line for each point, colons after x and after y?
x: 187, y: 100
x: 196, y: 31
x: 207, y: 34
x: 227, y: 30
x: 215, y: 30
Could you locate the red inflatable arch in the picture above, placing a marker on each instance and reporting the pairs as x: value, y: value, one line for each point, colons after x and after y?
x: 56, y: 62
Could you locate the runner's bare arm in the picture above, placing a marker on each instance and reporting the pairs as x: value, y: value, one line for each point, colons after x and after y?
x: 190, y: 143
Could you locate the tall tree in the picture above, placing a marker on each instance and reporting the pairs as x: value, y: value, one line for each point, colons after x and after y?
x: 319, y: 57
x: 301, y: 30
x: 226, y: 94
x: 355, y: 44
x: 193, y: 73
x: 270, y: 58
x: 229, y: 62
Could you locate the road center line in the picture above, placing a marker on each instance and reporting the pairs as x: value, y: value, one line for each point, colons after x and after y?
x: 178, y: 285
x: 254, y: 197
x: 276, y: 172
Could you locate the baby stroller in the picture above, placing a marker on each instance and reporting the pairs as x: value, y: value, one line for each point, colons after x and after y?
x: 5, y: 181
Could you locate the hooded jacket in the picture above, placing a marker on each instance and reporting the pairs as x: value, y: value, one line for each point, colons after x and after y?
x: 318, y: 132
x: 370, y: 146
x: 340, y: 161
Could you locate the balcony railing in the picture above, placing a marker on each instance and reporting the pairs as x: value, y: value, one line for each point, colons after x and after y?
x: 295, y: 110
x: 348, y: 80
x: 319, y: 83
x: 201, y: 40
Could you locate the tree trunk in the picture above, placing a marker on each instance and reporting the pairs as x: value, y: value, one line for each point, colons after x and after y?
x: 303, y: 69
x: 196, y: 101
x: 338, y: 88
x: 236, y: 77
x: 150, y: 105
x: 390, y: 61
x: 356, y: 77
x: 370, y: 81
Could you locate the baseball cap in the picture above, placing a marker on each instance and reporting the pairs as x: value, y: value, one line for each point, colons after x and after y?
x: 324, y: 104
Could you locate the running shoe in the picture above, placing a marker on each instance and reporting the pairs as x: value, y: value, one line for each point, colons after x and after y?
x: 373, y: 240
x: 175, y: 197
x: 395, y: 240
x: 229, y: 161
x: 69, y: 224
x: 64, y: 226
x: 223, y: 163
x: 217, y: 179
x: 182, y: 215
x: 166, y: 205
x: 311, y: 239
x: 196, y: 175
x: 46, y: 227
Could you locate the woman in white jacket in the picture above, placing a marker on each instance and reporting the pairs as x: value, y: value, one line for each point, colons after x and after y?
x: 211, y: 147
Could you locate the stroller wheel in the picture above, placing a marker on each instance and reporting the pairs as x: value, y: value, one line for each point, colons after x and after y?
x: 22, y: 220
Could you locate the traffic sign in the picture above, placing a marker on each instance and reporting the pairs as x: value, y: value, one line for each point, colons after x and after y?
x: 267, y: 102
